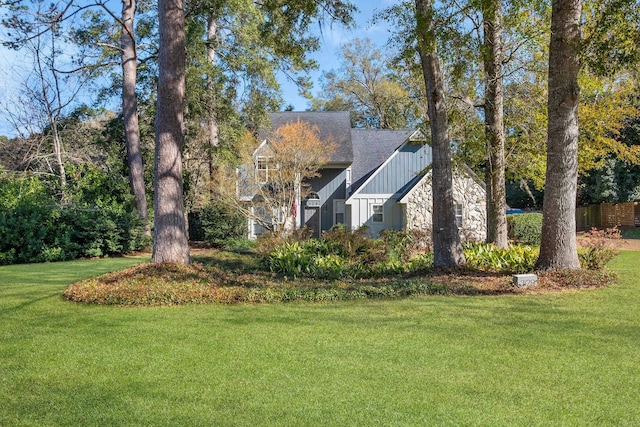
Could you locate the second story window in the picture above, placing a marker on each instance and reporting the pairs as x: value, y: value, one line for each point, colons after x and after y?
x: 262, y: 169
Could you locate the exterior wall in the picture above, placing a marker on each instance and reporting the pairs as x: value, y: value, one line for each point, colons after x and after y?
x: 330, y: 185
x: 466, y: 191
x: 401, y: 169
x: 361, y: 213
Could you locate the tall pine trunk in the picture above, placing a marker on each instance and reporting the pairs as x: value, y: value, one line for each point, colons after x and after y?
x: 170, y: 242
x: 494, y: 123
x: 130, y: 111
x: 558, y: 246
x: 447, y: 248
x: 212, y: 119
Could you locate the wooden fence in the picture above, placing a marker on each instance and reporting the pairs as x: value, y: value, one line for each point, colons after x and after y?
x: 608, y: 215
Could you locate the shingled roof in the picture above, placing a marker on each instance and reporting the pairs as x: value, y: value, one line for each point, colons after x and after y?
x: 334, y: 125
x: 371, y: 147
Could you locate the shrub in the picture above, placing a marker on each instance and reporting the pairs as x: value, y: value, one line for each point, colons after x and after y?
x: 216, y: 223
x: 596, y: 250
x: 341, y: 253
x: 398, y: 245
x: 421, y: 263
x: 290, y: 259
x: 355, y: 244
x: 513, y: 260
x: 98, y: 219
x: 329, y: 266
x: 525, y: 229
x: 241, y: 244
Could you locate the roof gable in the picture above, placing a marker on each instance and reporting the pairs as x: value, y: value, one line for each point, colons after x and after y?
x: 371, y: 148
x: 398, y: 170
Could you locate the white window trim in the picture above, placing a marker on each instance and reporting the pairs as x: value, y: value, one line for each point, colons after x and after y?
x: 374, y: 213
x: 265, y: 170
x: 336, y: 203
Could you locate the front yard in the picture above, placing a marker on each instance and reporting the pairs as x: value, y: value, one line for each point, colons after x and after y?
x: 569, y: 358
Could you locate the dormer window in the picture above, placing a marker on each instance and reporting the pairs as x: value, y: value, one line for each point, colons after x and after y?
x: 262, y: 169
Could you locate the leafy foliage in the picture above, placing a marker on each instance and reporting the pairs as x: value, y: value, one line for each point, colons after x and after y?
x: 525, y: 229
x: 596, y: 249
x: 98, y: 219
x: 512, y: 260
x: 230, y: 278
x: 216, y: 224
x: 174, y: 284
x: 342, y: 253
x: 370, y: 87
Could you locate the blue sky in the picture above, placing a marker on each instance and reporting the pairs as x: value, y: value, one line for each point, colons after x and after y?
x: 13, y: 65
x: 331, y: 40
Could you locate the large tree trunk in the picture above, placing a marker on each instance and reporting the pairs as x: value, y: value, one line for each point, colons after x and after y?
x: 558, y: 246
x: 130, y: 111
x: 447, y: 248
x: 170, y: 243
x: 494, y: 124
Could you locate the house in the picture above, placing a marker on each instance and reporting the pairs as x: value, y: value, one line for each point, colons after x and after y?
x: 380, y: 179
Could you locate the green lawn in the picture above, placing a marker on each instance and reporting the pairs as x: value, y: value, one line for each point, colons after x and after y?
x: 562, y: 359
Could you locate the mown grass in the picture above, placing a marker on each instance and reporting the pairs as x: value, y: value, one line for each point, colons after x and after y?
x: 554, y: 359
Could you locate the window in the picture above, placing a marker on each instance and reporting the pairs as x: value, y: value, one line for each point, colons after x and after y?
x: 313, y: 200
x: 458, y: 211
x: 378, y: 213
x: 338, y: 212
x: 262, y: 169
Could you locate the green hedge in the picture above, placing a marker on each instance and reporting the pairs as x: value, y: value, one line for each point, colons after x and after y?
x: 97, y: 219
x: 217, y: 224
x: 525, y: 229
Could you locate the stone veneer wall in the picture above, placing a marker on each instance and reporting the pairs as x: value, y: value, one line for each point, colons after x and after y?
x: 466, y: 191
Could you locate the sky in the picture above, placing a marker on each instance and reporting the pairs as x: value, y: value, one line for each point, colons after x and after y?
x: 13, y: 64
x: 332, y: 38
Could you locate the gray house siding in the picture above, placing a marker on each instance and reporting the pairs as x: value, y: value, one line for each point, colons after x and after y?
x: 361, y: 212
x: 330, y: 186
x: 400, y: 170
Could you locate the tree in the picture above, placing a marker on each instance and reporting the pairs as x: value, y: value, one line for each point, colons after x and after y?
x: 275, y: 177
x: 130, y: 109
x: 170, y: 242
x: 558, y: 244
x: 235, y: 51
x: 494, y: 123
x: 94, y: 54
x: 370, y: 88
x: 447, y: 248
x: 37, y: 31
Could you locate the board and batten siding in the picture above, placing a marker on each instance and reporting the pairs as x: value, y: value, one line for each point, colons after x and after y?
x: 401, y: 169
x: 361, y: 213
